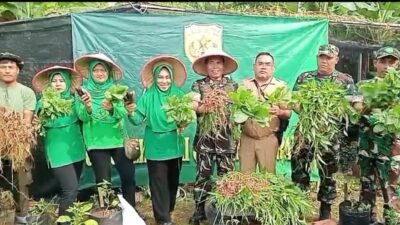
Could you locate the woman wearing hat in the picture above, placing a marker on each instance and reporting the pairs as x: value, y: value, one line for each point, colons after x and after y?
x: 103, y: 121
x: 215, y: 65
x: 63, y: 142
x: 162, y: 76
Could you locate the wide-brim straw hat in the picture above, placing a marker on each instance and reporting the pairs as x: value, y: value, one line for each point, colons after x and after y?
x: 41, y: 79
x: 230, y: 63
x: 179, y: 70
x: 82, y: 65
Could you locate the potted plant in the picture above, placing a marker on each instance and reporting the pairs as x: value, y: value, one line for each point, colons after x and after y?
x: 393, y: 217
x: 262, y: 197
x: 79, y: 214
x: 7, y: 208
x: 106, y: 209
x: 353, y: 212
x: 42, y: 213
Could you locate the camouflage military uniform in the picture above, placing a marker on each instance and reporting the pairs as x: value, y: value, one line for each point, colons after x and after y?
x: 374, y: 159
x: 211, y: 148
x: 301, y: 160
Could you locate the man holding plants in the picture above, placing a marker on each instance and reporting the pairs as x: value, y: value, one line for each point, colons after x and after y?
x: 213, y: 141
x: 376, y: 151
x: 260, y: 144
x: 327, y: 58
x: 20, y: 98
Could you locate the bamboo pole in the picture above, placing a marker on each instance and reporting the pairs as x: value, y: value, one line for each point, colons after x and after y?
x: 142, y: 8
x: 331, y: 21
x: 365, y: 23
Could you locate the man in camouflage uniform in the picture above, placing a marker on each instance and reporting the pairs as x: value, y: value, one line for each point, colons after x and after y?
x: 375, y: 150
x: 259, y: 145
x: 215, y: 65
x: 327, y: 59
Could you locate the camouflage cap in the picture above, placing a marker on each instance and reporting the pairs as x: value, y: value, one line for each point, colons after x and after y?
x: 329, y: 50
x: 387, y: 51
x: 12, y: 57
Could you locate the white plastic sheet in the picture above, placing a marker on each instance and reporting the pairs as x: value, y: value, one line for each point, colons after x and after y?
x: 129, y: 214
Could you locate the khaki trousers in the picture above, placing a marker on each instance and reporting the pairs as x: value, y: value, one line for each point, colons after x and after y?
x: 24, y: 179
x: 258, y: 145
x: 17, y: 182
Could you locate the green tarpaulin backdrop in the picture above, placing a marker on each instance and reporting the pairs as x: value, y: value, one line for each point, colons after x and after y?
x: 132, y: 39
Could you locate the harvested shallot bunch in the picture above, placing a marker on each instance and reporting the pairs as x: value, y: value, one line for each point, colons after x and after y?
x: 216, y: 119
x: 16, y: 138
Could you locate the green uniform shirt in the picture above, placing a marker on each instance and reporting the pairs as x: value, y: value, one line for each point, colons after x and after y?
x: 101, y: 129
x: 159, y: 145
x: 63, y: 142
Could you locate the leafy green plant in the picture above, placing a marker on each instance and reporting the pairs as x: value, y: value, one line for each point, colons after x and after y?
x: 180, y: 110
x: 116, y: 93
x: 323, y: 110
x: 53, y: 106
x: 80, y: 214
x: 107, y: 199
x: 358, y: 206
x: 280, y: 97
x: 271, y: 199
x: 29, y: 10
x: 392, y: 217
x: 381, y: 93
x: 387, y: 121
x: 246, y: 105
x: 382, y: 102
x: 42, y: 207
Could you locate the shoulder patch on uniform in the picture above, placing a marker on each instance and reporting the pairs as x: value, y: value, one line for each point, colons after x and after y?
x: 303, y: 76
x: 279, y: 80
x: 247, y: 81
x: 345, y: 76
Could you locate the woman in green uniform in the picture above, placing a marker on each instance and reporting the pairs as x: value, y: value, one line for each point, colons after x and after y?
x: 161, y: 76
x: 103, y: 122
x: 63, y: 140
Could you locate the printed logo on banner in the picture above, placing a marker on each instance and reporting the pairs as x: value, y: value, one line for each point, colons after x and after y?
x: 200, y: 37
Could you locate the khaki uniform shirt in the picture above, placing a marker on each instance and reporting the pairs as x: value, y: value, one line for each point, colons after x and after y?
x: 251, y: 128
x: 267, y: 88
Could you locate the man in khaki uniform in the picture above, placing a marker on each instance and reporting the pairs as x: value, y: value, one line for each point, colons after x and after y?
x: 20, y: 98
x: 260, y: 144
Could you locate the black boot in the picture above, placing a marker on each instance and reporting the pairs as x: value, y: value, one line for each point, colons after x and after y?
x: 199, y: 214
x: 324, y: 211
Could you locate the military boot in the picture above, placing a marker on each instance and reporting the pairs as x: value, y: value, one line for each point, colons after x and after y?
x: 324, y: 211
x: 199, y: 214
